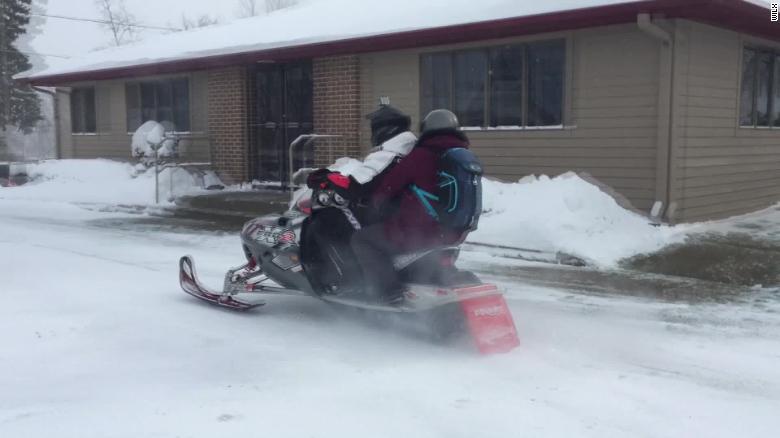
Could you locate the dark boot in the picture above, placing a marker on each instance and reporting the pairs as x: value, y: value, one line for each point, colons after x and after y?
x: 375, y: 255
x: 394, y: 297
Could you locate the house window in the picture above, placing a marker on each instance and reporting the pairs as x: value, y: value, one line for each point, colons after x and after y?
x: 166, y: 101
x: 760, y: 90
x: 82, y: 110
x: 505, y: 86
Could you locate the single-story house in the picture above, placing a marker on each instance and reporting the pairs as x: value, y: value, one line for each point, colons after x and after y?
x: 675, y: 104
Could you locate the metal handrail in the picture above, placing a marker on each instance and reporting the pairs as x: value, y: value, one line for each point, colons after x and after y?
x: 309, y: 138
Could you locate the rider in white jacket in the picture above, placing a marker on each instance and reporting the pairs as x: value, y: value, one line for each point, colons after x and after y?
x: 383, y: 156
x: 391, y: 140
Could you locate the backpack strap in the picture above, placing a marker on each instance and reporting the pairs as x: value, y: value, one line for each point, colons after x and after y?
x: 448, y: 180
x: 425, y: 199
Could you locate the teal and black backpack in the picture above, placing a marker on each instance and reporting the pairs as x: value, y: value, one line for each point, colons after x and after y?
x: 458, y: 201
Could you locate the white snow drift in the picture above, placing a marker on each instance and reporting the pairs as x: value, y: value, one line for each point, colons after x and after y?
x: 104, y: 182
x: 566, y: 214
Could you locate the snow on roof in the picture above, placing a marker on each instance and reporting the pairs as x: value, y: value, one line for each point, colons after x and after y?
x: 309, y: 22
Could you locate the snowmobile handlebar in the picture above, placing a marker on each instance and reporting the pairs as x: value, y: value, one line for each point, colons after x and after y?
x: 304, y: 139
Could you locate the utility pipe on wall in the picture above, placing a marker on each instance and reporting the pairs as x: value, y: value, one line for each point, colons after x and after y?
x: 665, y: 122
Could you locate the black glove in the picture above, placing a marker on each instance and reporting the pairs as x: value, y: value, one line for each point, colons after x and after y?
x: 316, y: 178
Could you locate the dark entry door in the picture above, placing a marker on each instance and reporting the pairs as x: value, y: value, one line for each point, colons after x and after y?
x: 284, y: 111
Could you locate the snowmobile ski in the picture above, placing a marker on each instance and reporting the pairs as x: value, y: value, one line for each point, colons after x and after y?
x: 191, y: 285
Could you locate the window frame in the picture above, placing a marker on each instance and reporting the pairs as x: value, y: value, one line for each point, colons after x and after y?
x: 773, y: 112
x: 81, y: 116
x: 487, y: 49
x: 155, y: 83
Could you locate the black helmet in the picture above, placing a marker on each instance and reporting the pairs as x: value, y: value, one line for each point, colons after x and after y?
x: 387, y: 122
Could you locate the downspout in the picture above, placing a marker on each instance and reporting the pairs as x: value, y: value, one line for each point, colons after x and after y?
x: 664, y: 206
x: 56, y: 103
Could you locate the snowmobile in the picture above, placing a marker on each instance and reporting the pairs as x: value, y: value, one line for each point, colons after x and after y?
x: 279, y: 261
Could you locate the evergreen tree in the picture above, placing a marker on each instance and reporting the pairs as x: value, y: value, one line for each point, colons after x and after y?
x: 19, y: 104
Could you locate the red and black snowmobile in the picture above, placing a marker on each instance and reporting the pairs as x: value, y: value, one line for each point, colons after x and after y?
x: 283, y: 257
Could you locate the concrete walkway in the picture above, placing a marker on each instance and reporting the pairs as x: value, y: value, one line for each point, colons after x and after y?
x: 228, y: 210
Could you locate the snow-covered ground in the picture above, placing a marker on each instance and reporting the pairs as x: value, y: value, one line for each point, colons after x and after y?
x: 104, y: 182
x: 98, y: 341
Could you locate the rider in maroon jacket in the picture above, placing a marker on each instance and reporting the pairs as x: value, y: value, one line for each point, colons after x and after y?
x: 411, y: 227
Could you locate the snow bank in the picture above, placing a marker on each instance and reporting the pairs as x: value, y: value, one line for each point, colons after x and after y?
x: 103, y: 181
x: 567, y: 214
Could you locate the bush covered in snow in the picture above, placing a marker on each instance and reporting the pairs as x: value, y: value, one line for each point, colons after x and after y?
x: 149, y: 136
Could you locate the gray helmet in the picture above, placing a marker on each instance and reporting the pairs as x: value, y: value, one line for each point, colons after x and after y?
x: 439, y: 121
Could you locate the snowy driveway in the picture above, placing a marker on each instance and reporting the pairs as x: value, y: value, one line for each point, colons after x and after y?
x: 96, y: 340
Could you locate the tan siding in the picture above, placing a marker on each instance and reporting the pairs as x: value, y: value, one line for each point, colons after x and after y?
x: 65, y: 142
x: 112, y: 139
x: 548, y: 151
x: 392, y: 74
x: 644, y: 112
x: 722, y: 169
x: 611, y: 115
x: 199, y: 109
x: 721, y: 210
x: 706, y: 181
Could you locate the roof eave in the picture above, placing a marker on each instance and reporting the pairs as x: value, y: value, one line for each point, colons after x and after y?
x: 739, y: 16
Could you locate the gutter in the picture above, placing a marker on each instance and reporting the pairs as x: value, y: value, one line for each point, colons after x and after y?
x: 664, y: 205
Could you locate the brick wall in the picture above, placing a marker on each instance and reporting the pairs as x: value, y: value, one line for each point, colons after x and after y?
x: 336, y: 83
x: 227, y: 122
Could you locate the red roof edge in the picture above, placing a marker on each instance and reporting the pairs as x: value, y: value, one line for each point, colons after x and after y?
x: 737, y: 15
